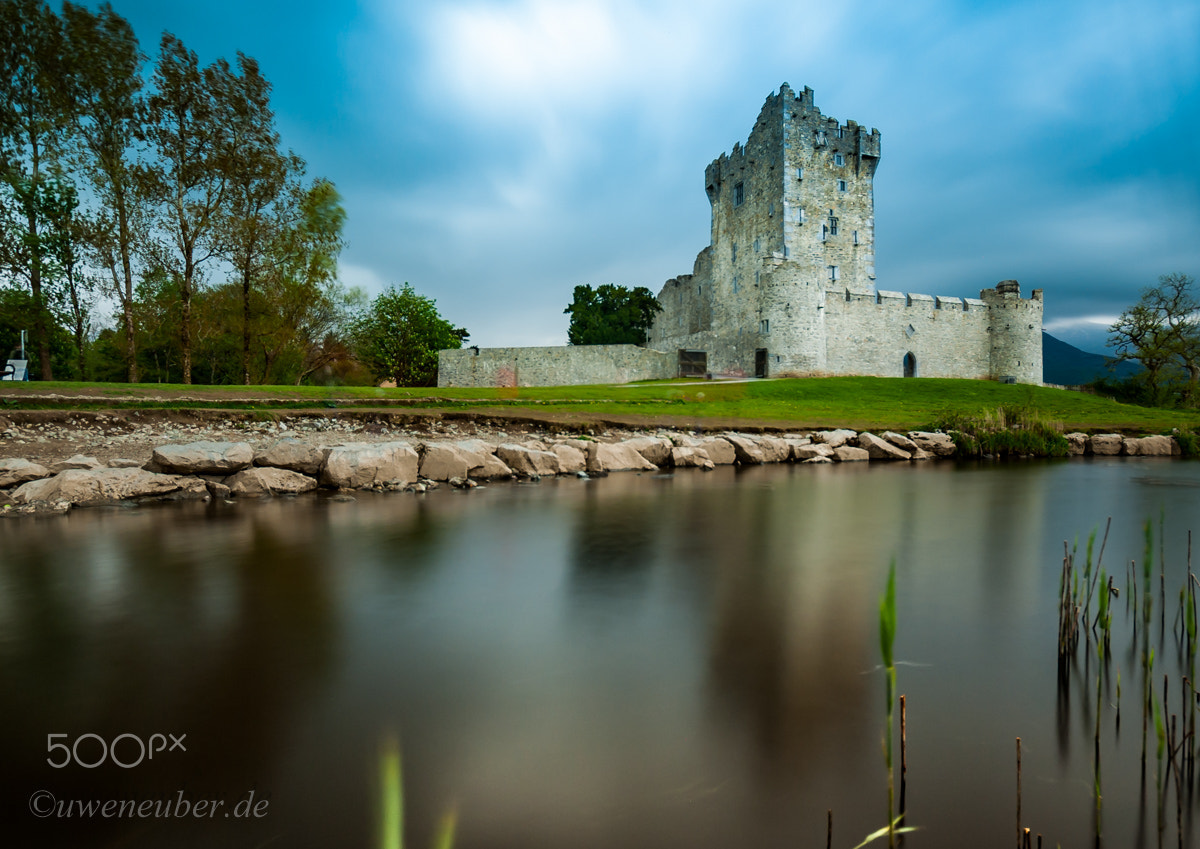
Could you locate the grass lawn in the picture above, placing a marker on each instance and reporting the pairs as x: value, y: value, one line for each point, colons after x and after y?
x: 856, y: 402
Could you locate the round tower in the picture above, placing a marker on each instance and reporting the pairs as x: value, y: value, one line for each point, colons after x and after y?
x: 1015, y: 331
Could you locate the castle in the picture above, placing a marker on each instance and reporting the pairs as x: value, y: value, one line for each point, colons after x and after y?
x: 786, y: 285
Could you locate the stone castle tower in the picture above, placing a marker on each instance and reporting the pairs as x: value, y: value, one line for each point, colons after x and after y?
x: 787, y: 283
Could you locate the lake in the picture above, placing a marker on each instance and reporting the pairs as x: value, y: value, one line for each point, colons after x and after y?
x: 686, y: 659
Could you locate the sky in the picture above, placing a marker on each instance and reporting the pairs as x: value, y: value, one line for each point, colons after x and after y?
x: 497, y: 154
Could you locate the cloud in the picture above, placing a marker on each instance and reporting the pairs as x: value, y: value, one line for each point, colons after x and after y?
x: 1081, y: 323
x: 361, y: 277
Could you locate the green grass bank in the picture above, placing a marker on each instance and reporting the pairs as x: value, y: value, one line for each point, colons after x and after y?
x: 860, y: 403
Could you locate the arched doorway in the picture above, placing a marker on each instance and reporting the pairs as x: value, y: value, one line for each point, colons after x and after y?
x: 910, y: 365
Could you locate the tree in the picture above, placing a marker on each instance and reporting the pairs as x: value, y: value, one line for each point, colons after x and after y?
x: 187, y: 131
x: 67, y: 229
x: 258, y: 204
x: 1162, y: 332
x: 611, y: 315
x: 105, y: 69
x: 399, y: 337
x: 35, y: 107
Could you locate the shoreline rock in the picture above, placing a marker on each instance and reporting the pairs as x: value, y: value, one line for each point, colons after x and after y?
x: 285, y: 463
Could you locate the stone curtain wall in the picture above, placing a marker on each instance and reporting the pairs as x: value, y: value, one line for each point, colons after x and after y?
x: 571, y: 365
x: 870, y: 333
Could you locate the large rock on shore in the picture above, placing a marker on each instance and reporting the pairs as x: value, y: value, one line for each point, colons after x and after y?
x: 441, y: 461
x: 527, y: 461
x: 358, y: 466
x: 262, y: 481
x: 850, y: 454
x: 900, y: 441
x: 571, y: 459
x: 687, y: 456
x: 655, y: 449
x: 291, y: 454
x: 775, y: 449
x: 483, y: 463
x: 834, y: 438
x: 1076, y: 444
x: 204, y: 458
x: 91, y: 486
x: 77, y: 461
x: 879, y: 448
x: 15, y: 470
x: 937, y: 444
x: 1150, y: 446
x: 746, y: 450
x: 616, y: 457
x: 806, y: 453
x: 719, y: 450
x: 1105, y: 444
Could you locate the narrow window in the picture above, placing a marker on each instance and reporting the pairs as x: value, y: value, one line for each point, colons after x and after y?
x: 757, y: 246
x: 824, y: 232
x: 841, y: 133
x: 838, y: 159
x: 856, y: 237
x: 764, y: 326
x: 739, y: 194
x: 734, y: 257
x: 841, y: 185
x: 833, y: 222
x: 833, y: 272
x: 736, y: 285
x: 799, y: 173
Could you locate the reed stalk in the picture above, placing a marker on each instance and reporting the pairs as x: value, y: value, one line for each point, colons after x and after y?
x: 887, y: 639
x: 391, y: 796
x: 1018, y: 793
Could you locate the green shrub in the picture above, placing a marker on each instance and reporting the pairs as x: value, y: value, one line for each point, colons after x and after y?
x: 1008, y: 430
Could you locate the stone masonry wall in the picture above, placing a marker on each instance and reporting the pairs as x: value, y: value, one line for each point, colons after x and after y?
x: 570, y: 365
x: 872, y: 334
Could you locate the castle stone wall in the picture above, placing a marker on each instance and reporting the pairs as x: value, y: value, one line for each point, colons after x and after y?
x: 570, y: 365
x: 872, y: 333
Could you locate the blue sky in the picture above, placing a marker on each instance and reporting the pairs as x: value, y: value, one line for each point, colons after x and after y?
x: 496, y: 154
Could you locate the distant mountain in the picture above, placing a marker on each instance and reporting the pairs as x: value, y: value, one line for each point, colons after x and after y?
x: 1067, y: 365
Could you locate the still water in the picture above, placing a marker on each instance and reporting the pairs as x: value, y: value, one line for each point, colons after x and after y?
x: 635, y: 661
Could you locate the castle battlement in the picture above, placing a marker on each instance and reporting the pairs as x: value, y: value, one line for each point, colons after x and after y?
x: 787, y: 282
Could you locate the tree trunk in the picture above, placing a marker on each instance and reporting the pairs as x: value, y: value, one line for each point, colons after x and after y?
x: 131, y: 366
x: 40, y: 334
x: 246, y: 324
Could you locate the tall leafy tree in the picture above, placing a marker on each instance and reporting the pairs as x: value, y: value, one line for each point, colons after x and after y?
x: 188, y: 176
x: 35, y: 117
x: 105, y: 67
x: 310, y: 308
x: 399, y: 337
x: 258, y: 205
x: 67, y: 231
x: 611, y: 315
